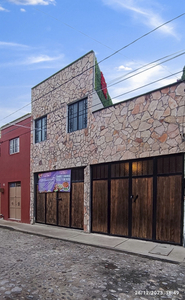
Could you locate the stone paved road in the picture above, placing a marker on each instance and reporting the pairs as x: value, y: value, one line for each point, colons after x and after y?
x: 35, y: 268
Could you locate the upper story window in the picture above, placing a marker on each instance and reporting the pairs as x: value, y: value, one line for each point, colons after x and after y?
x: 14, y: 145
x: 40, y: 129
x: 77, y: 115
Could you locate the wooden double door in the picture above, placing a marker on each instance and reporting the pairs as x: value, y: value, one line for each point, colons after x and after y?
x: 139, y: 199
x: 63, y: 208
x: 15, y: 200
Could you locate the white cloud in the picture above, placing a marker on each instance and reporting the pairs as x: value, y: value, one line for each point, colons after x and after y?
x: 138, y: 84
x: 147, y: 15
x: 9, y: 44
x: 40, y: 59
x: 120, y: 68
x: 22, y: 10
x: 3, y: 9
x: 32, y: 2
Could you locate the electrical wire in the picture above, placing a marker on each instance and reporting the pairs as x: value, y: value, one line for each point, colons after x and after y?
x: 51, y: 123
x: 135, y: 74
x: 147, y: 85
x: 94, y: 91
x: 106, y: 58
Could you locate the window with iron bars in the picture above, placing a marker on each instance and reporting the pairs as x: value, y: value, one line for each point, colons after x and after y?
x: 77, y: 115
x: 40, y: 129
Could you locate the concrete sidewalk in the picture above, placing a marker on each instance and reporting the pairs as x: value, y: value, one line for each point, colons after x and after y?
x: 171, y: 253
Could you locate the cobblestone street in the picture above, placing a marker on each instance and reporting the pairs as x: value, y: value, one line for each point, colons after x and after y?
x: 33, y: 267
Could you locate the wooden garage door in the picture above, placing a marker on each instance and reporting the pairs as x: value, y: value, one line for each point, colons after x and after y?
x: 100, y: 205
x: 51, y: 208
x: 168, y: 221
x: 140, y: 198
x: 63, y: 208
x: 169, y: 199
x: 77, y: 205
x: 119, y: 207
x: 41, y: 207
x: 142, y: 207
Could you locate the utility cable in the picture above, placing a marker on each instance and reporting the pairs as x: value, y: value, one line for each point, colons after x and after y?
x: 108, y: 57
x: 93, y: 91
x: 147, y: 85
x: 119, y: 77
x: 104, y: 107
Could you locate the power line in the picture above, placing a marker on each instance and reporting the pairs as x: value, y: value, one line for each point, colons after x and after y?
x: 112, y: 81
x: 135, y: 74
x: 103, y: 60
x: 147, y: 84
x: 115, y: 53
x: 79, y: 31
x: 97, y: 104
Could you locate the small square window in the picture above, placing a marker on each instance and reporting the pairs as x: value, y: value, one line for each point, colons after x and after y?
x: 77, y: 115
x: 14, y: 146
x: 40, y: 129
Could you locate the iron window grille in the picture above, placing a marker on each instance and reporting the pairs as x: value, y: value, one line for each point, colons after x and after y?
x: 41, y: 129
x: 14, y: 145
x: 77, y: 115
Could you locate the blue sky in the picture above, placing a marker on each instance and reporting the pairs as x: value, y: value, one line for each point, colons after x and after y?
x: 40, y: 37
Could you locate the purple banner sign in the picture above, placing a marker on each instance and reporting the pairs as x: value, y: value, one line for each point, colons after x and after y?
x: 63, y: 180
x: 55, y: 181
x: 47, y: 182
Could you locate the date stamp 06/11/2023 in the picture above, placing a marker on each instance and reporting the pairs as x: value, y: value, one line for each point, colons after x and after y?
x: 156, y: 293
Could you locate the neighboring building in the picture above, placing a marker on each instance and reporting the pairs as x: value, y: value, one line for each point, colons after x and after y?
x: 15, y: 170
x: 117, y: 170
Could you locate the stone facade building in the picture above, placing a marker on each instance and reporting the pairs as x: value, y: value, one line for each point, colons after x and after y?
x: 126, y: 160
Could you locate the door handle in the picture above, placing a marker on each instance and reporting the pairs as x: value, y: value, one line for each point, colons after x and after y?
x: 131, y: 197
x: 135, y: 198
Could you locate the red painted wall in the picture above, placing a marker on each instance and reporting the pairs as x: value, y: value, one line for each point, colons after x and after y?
x: 16, y: 167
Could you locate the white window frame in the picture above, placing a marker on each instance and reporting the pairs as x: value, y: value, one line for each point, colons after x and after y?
x: 14, y: 146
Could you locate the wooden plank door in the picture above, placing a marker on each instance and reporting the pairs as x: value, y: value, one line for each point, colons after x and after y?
x: 15, y: 201
x: 100, y: 206
x: 64, y: 209
x: 12, y: 202
x: 40, y: 217
x: 18, y: 202
x: 119, y: 207
x: 142, y: 207
x: 77, y: 205
x: 169, y: 208
x: 51, y: 208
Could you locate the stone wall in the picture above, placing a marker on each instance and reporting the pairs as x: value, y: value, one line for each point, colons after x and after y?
x: 62, y: 150
x: 149, y: 125
x: 144, y: 126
